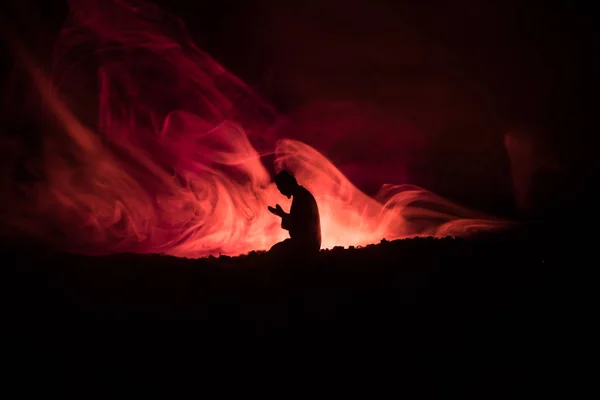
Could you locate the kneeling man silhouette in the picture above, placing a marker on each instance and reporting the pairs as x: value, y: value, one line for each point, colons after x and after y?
x: 302, y: 222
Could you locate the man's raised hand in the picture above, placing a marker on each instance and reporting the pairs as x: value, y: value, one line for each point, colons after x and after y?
x: 277, y: 210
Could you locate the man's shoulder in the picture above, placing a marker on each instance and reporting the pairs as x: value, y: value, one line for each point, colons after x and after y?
x: 304, y: 192
x: 305, y: 195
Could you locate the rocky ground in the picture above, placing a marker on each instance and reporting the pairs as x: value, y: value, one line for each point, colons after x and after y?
x: 487, y: 315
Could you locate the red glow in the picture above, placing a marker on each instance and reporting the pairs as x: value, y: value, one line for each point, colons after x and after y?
x: 175, y: 165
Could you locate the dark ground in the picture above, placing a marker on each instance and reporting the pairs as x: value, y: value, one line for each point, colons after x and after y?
x: 491, y: 317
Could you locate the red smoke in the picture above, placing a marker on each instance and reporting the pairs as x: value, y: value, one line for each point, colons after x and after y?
x: 172, y: 159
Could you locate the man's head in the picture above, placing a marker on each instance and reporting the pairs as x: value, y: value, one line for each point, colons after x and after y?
x: 286, y: 183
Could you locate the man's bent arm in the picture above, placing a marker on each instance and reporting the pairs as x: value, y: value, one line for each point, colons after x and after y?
x: 286, y: 221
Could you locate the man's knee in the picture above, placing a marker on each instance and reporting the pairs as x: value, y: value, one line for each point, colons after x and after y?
x: 282, y: 246
x: 294, y: 249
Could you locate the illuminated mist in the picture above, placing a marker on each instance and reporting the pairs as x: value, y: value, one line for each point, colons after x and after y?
x: 174, y: 161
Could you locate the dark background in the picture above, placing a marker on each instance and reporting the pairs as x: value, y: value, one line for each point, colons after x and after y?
x: 435, y: 85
